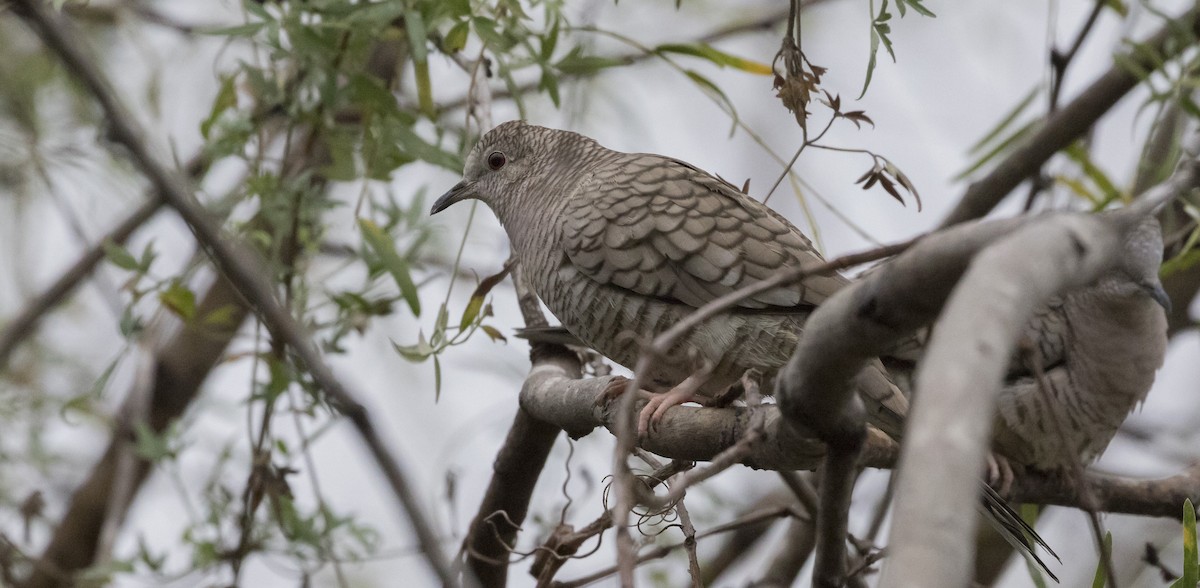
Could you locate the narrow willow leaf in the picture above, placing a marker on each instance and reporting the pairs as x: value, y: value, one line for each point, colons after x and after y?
x: 1101, y: 577
x: 381, y: 244
x: 716, y: 56
x: 999, y: 149
x: 1005, y: 122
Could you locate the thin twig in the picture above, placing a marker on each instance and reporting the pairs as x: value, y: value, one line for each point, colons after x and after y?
x: 1059, y: 61
x: 664, y: 550
x: 689, y: 541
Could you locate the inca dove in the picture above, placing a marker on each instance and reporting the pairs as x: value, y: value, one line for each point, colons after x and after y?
x: 620, y: 246
x: 1098, y: 349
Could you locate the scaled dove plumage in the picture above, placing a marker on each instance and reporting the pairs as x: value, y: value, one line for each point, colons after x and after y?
x: 620, y: 246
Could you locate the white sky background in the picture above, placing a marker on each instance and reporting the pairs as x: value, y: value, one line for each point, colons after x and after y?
x: 957, y: 76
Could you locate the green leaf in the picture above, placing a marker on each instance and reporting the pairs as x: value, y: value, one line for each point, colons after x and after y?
x: 179, y: 299
x: 456, y: 38
x: 1005, y: 122
x: 424, y: 88
x: 130, y: 324
x: 378, y: 13
x: 576, y: 63
x: 415, y: 353
x: 493, y: 333
x: 1191, y: 560
x: 870, y: 63
x: 550, y: 43
x: 477, y: 297
x: 716, y: 56
x: 437, y: 379
x: 381, y: 244
x: 101, y: 383
x: 915, y: 5
x: 715, y: 91
x: 1079, y: 189
x: 549, y: 83
x: 120, y: 257
x: 245, y: 30
x: 151, y: 445
x: 486, y: 29
x: 1101, y: 577
x: 414, y: 25
x: 458, y: 8
x: 1181, y: 262
x: 226, y: 99
x: 1078, y: 153
x: 259, y: 10
x: 1000, y: 148
x: 438, y: 337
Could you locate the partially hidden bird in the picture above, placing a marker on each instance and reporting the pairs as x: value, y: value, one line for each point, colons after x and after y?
x: 621, y: 246
x: 1089, y: 359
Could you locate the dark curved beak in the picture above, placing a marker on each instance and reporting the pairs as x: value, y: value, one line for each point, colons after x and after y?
x: 1156, y: 291
x: 461, y: 191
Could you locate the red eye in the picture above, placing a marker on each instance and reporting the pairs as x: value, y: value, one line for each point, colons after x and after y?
x: 496, y: 160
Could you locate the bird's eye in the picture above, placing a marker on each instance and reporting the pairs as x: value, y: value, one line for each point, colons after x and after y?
x: 496, y: 160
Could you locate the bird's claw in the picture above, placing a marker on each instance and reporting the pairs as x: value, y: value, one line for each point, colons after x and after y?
x: 652, y: 414
x: 1000, y: 474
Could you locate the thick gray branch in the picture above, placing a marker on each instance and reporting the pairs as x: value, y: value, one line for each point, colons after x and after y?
x: 686, y: 432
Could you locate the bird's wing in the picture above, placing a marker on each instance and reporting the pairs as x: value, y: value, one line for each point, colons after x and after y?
x: 662, y: 228
x: 1047, y: 335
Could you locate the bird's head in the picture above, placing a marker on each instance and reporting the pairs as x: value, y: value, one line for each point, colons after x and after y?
x: 507, y: 158
x: 1136, y: 272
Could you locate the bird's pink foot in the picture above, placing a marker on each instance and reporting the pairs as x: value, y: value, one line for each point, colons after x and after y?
x: 652, y: 414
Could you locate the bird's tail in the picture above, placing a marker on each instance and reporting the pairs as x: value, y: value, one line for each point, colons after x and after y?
x: 1019, y: 534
